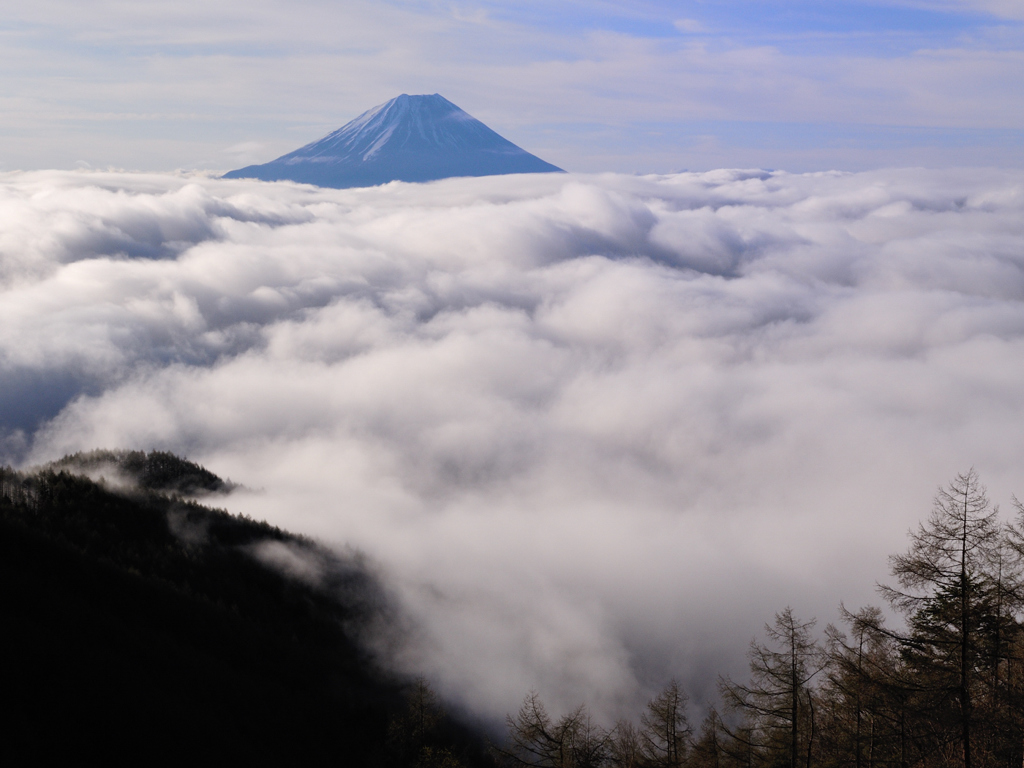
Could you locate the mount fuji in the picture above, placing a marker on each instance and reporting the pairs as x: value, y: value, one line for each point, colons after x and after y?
x: 410, y: 138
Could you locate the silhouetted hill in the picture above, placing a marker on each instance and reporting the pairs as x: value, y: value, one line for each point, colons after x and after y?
x: 153, y: 471
x: 141, y: 626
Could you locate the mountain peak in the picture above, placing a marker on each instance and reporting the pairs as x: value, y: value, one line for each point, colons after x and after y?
x: 409, y: 138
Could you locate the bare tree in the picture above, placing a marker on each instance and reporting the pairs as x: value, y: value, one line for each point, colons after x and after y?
x: 665, y: 731
x: 414, y: 733
x: 776, y: 703
x: 573, y: 741
x: 707, y: 751
x: 624, y: 748
x: 866, y: 690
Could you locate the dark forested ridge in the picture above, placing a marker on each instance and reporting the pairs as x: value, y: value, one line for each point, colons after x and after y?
x: 944, y: 689
x: 153, y: 471
x: 139, y: 625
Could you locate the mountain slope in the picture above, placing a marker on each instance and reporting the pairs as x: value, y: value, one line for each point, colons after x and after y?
x: 410, y: 138
x: 142, y: 626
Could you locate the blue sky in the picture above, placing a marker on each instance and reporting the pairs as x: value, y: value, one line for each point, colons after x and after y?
x: 875, y: 28
x: 636, y: 87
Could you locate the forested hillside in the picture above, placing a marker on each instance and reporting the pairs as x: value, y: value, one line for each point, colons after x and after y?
x: 944, y: 688
x: 140, y: 625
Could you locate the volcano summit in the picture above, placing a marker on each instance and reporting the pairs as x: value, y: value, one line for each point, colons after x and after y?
x: 410, y: 138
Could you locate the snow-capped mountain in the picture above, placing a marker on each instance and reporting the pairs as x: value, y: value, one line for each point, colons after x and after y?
x: 410, y: 138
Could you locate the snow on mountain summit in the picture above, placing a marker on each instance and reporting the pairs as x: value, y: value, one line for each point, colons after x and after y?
x: 410, y: 138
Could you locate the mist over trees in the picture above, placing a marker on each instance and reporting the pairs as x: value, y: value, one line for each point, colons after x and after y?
x: 132, y: 611
x: 945, y: 688
x: 141, y: 626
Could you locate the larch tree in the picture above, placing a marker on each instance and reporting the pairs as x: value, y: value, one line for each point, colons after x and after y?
x: 864, y: 690
x: 572, y: 741
x: 665, y: 730
x: 945, y: 589
x: 707, y: 752
x: 777, y: 703
x: 624, y: 748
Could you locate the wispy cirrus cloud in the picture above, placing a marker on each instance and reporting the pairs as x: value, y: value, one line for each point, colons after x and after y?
x: 589, y: 86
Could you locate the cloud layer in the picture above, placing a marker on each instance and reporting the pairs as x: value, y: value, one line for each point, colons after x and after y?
x: 595, y: 429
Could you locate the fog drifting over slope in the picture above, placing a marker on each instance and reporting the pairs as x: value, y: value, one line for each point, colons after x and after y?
x: 595, y: 429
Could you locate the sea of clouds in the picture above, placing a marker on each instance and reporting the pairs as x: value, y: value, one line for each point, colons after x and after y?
x: 593, y: 430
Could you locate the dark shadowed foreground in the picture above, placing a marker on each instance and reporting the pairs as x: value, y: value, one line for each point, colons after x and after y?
x: 141, y: 625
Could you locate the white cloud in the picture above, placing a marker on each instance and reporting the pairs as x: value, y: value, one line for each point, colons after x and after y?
x: 689, y: 25
x: 1006, y: 9
x: 596, y: 429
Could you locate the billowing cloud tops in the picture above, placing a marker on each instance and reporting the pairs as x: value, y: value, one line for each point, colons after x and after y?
x: 592, y: 430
